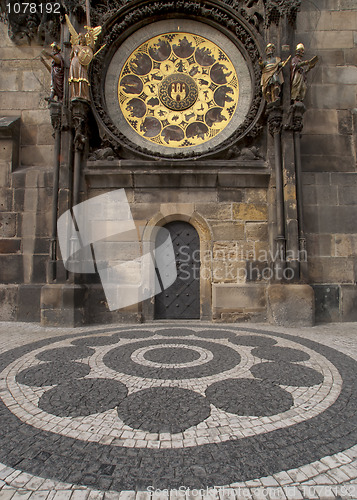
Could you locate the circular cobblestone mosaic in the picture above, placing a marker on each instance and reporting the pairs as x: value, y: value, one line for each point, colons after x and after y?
x: 167, y: 407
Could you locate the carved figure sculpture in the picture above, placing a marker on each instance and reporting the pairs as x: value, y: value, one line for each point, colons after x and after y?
x: 299, y: 69
x: 81, y: 56
x: 272, y: 78
x: 57, y: 72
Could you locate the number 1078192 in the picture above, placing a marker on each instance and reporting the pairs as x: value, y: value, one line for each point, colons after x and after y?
x: 33, y: 8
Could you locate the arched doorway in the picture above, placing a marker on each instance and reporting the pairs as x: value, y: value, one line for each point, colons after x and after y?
x: 182, y: 299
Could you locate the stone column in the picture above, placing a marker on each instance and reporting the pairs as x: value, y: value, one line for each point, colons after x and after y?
x: 56, y: 120
x: 275, y: 119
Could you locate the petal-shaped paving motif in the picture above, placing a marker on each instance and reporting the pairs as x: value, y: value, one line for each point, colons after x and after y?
x: 52, y: 373
x: 83, y: 397
x: 164, y: 409
x: 280, y: 354
x: 287, y: 374
x: 249, y: 397
x: 65, y: 353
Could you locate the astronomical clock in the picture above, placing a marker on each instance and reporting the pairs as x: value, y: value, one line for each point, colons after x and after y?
x: 176, y: 89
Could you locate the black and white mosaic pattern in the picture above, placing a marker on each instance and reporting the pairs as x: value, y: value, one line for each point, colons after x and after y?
x: 129, y: 408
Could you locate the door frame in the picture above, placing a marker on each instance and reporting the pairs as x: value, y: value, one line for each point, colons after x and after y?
x: 205, y: 236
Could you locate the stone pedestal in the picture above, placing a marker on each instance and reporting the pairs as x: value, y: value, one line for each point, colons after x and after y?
x: 291, y: 305
x: 63, y: 305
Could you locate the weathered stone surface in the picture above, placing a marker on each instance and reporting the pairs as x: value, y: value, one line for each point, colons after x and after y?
x: 221, y: 211
x: 62, y: 305
x: 333, y: 39
x: 316, y: 195
x: 37, y: 155
x: 327, y: 303
x: 256, y: 231
x: 331, y: 97
x: 8, y: 302
x: 5, y: 150
x: 326, y: 145
x: 349, y: 303
x: 345, y: 122
x: 19, y: 100
x: 5, y: 199
x: 11, y: 269
x: 258, y: 196
x: 12, y: 245
x: 321, y: 163
x: 330, y: 219
x: 7, y: 224
x: 249, y: 212
x: 347, y: 195
x: 320, y: 245
x: 238, y: 297
x: 292, y: 305
x: 320, y: 121
x: 175, y: 196
x: 32, y: 80
x: 331, y: 270
x: 29, y: 303
x: 227, y: 231
x: 236, y: 195
x: 345, y: 245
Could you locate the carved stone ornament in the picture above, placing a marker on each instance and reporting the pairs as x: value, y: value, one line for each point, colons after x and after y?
x: 196, y: 70
x: 36, y: 25
x: 275, y: 119
x: 80, y: 110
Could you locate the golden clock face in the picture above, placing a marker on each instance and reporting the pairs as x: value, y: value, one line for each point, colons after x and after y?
x: 178, y: 90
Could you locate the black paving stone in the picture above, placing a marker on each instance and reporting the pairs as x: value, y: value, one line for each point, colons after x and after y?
x: 249, y: 397
x: 119, y: 359
x: 133, y: 334
x: 215, y: 334
x: 164, y: 409
x: 65, y: 353
x: 287, y: 374
x: 253, y: 340
x: 280, y: 354
x: 51, y: 373
x: 95, y: 341
x: 83, y: 397
x: 175, y: 332
x: 172, y: 355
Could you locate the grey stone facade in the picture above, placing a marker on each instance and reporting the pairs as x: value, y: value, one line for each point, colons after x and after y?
x: 231, y: 202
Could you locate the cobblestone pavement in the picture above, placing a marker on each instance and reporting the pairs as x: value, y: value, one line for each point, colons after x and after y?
x: 178, y: 410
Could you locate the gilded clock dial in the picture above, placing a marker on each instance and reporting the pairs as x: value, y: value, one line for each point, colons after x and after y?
x: 178, y: 90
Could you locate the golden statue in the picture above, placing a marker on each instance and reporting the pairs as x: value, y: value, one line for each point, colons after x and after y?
x: 299, y: 69
x: 81, y: 56
x: 272, y: 77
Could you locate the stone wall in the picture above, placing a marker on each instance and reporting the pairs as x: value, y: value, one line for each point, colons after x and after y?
x: 328, y: 29
x: 234, y: 208
x: 24, y: 83
x: 25, y: 184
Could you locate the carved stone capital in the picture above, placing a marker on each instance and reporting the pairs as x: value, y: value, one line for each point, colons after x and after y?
x: 80, y: 110
x: 295, y: 117
x: 275, y: 119
x: 56, y: 115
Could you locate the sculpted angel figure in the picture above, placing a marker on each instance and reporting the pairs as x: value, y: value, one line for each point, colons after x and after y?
x: 299, y: 69
x: 81, y: 56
